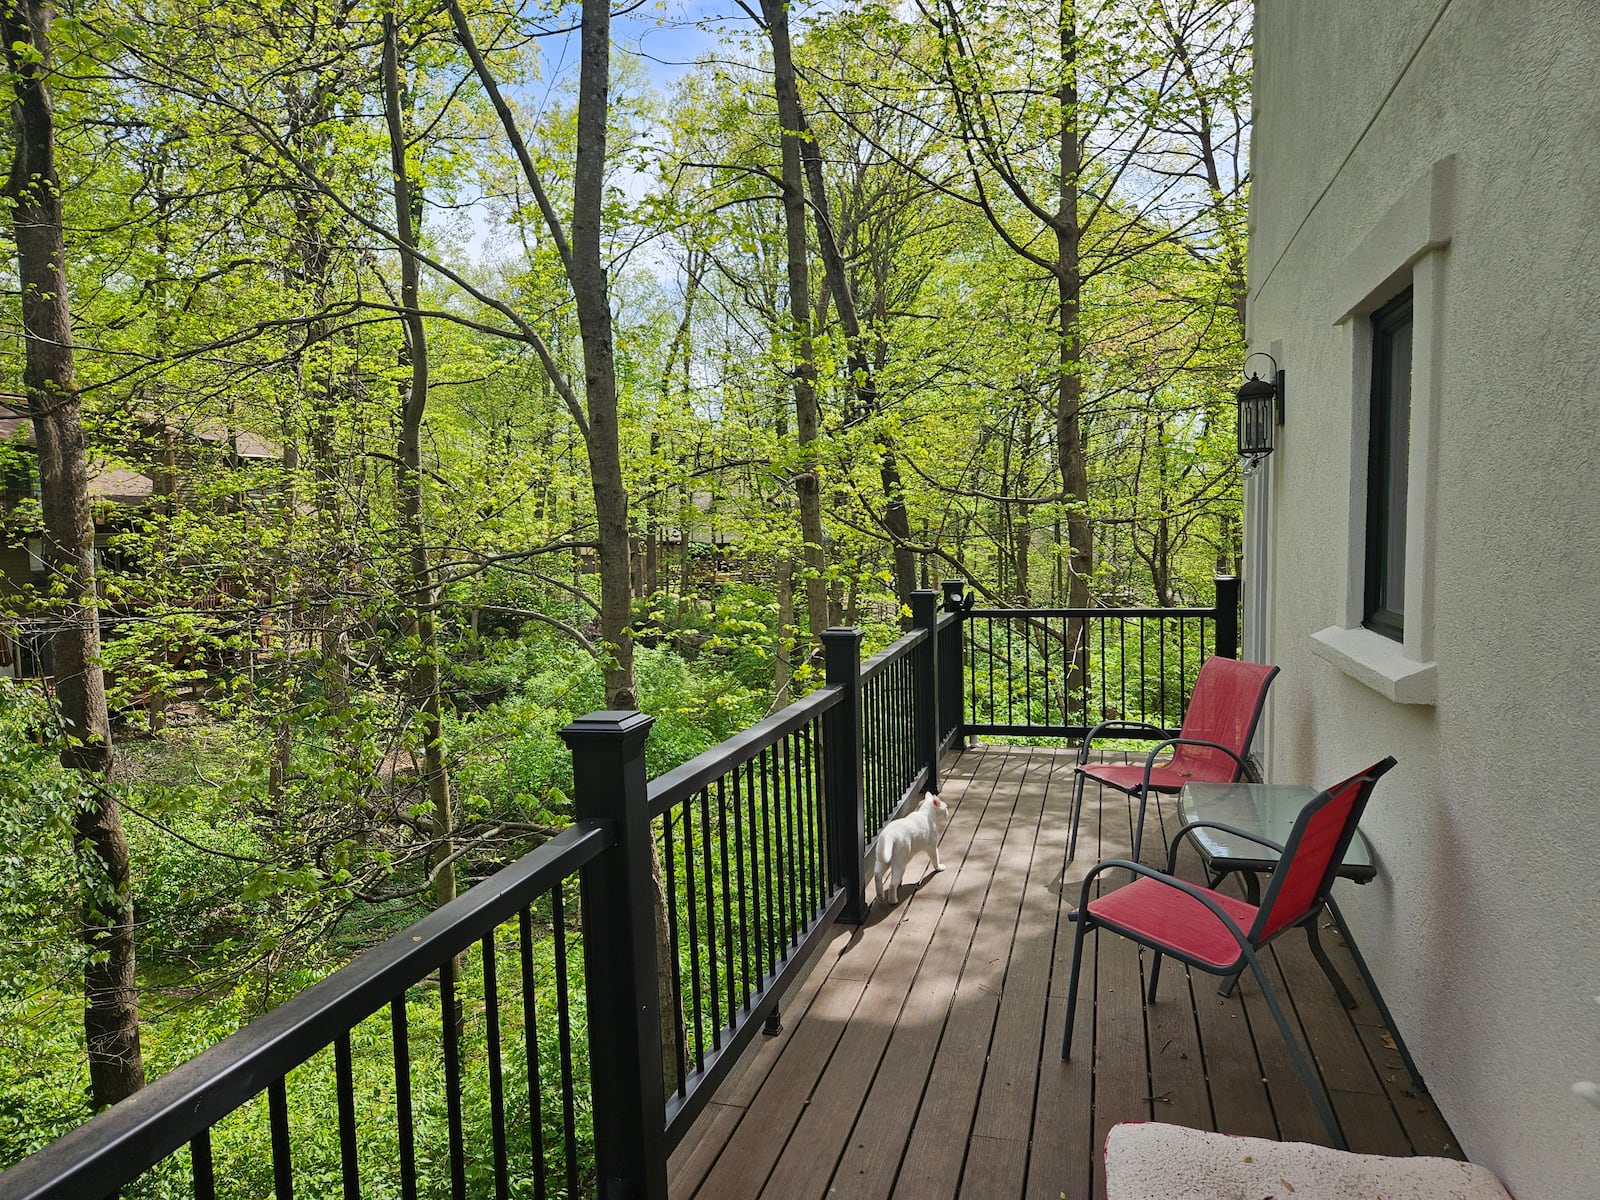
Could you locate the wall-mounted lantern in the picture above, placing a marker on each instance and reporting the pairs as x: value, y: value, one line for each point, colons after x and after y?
x: 1260, y: 411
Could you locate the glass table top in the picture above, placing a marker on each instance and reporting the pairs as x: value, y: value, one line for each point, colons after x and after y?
x: 1265, y: 808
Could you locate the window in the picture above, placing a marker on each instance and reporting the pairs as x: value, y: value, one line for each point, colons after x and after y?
x: 1388, y: 300
x: 1388, y: 449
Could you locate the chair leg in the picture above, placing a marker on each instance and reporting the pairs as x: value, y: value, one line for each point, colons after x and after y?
x: 1072, y: 984
x: 1138, y: 830
x: 1308, y: 1073
x: 1155, y: 974
x: 1077, y: 813
x: 1377, y: 996
x: 1321, y: 955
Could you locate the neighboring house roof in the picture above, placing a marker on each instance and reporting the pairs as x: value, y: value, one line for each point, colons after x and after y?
x: 245, y: 445
x: 107, y: 484
x: 14, y: 426
x: 118, y: 485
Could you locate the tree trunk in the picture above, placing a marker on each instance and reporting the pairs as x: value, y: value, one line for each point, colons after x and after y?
x: 1069, y: 284
x: 423, y: 592
x: 591, y: 292
x: 111, y: 1011
x: 863, y: 381
x: 804, y: 368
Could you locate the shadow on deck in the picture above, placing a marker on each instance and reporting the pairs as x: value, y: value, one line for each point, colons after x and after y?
x: 920, y: 1056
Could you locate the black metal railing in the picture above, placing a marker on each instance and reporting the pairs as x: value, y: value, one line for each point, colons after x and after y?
x: 742, y: 836
x: 517, y: 1043
x: 423, y: 1027
x: 1058, y: 672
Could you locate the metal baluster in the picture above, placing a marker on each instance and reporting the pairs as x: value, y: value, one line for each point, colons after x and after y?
x: 797, y: 865
x: 201, y: 1169
x: 669, y: 863
x: 772, y: 876
x: 1183, y: 673
x: 345, y: 1089
x: 969, y: 703
x: 400, y: 1039
x: 278, y: 1119
x: 876, y: 712
x: 821, y: 877
x: 1044, y: 649
x: 821, y: 874
x: 530, y: 1041
x: 693, y: 908
x: 1027, y: 665
x: 988, y: 637
x: 497, y: 1095
x: 745, y: 849
x: 452, y: 1080
x: 904, y: 730
x: 780, y: 857
x: 713, y: 933
x: 730, y: 935
x: 569, y: 1113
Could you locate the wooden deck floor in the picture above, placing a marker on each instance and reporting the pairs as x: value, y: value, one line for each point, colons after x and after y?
x: 920, y: 1057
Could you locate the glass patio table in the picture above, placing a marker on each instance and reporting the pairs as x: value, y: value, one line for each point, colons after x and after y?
x: 1267, y: 809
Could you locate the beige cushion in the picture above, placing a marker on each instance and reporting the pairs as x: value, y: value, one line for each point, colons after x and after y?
x: 1152, y: 1161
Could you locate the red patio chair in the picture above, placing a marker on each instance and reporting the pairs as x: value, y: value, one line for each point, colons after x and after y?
x: 1207, y: 929
x: 1211, y: 745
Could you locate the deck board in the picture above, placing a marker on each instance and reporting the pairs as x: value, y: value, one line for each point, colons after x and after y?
x: 921, y: 1056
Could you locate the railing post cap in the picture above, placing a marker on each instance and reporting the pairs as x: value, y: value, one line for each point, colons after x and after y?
x: 843, y: 633
x: 952, y: 591
x: 628, y: 725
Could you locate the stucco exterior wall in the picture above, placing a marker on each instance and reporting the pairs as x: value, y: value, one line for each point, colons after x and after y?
x: 1461, y: 140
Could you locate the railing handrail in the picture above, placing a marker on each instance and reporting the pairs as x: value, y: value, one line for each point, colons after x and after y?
x: 1092, y: 613
x: 127, y: 1139
x: 894, y: 650
x: 707, y: 767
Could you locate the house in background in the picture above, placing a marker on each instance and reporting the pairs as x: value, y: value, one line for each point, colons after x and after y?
x: 159, y: 466
x: 1424, y: 544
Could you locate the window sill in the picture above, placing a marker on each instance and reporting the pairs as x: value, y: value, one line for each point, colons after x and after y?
x: 1378, y: 662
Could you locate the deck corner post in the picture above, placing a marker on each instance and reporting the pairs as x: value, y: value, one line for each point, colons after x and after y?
x: 952, y: 664
x: 925, y: 615
x: 619, y: 953
x: 845, y: 777
x: 1227, y: 616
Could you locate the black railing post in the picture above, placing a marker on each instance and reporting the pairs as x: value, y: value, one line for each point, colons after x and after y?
x: 846, y: 796
x: 953, y: 667
x: 619, y: 954
x: 925, y: 615
x: 1227, y: 616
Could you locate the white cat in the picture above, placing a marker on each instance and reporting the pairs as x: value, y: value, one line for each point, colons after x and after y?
x: 902, y: 838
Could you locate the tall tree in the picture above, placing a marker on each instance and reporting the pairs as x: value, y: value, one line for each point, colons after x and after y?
x: 424, y: 593
x: 111, y: 1012
x: 801, y: 356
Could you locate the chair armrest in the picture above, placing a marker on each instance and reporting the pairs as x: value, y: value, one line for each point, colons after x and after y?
x: 1108, y: 729
x: 1162, y: 877
x: 1177, y: 838
x: 1150, y: 762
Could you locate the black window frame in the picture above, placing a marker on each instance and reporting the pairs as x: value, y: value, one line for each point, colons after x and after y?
x: 1388, y: 451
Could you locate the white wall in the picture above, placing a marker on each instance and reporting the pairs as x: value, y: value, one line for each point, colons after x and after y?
x: 1466, y: 132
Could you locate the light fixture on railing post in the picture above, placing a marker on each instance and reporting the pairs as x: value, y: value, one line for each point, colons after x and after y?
x: 1260, y: 411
